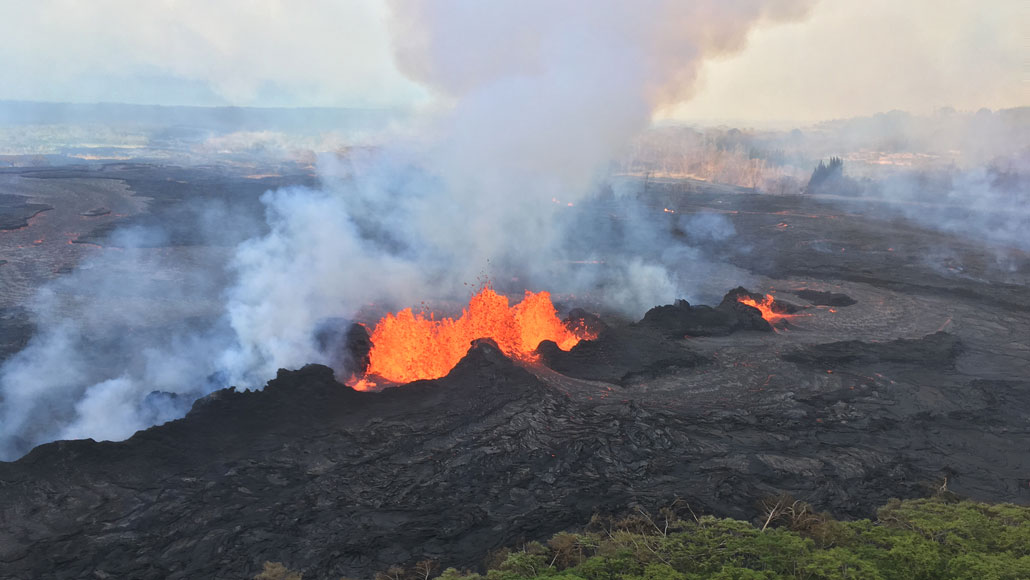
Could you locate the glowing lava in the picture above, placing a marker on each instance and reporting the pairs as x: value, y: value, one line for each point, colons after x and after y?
x: 408, y: 347
x: 765, y: 307
x: 360, y: 384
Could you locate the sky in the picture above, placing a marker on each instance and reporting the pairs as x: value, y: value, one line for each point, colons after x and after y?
x: 845, y: 59
x: 859, y: 58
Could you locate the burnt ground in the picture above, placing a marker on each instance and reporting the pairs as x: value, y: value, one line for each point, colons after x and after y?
x: 904, y: 369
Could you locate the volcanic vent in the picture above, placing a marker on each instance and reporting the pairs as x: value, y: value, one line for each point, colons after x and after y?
x: 343, y: 482
x: 408, y: 347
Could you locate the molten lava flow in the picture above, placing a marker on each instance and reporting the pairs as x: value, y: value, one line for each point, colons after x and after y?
x: 765, y: 307
x: 360, y: 384
x: 408, y: 346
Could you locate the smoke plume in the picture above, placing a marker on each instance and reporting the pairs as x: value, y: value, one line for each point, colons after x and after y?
x: 534, y: 99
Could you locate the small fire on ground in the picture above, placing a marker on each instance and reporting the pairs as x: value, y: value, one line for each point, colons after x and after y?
x: 409, y: 346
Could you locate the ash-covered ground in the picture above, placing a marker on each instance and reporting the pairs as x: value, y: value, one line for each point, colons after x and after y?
x: 904, y: 369
x: 88, y: 216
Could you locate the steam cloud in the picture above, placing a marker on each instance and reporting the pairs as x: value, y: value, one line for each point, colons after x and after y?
x: 535, y: 98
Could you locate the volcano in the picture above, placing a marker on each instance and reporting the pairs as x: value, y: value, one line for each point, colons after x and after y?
x: 880, y: 376
x: 407, y: 347
x: 504, y: 448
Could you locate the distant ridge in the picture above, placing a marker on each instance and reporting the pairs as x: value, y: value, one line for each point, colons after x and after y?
x: 222, y: 118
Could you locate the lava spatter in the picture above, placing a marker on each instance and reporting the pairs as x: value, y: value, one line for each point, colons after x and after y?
x: 767, y: 307
x: 409, y: 346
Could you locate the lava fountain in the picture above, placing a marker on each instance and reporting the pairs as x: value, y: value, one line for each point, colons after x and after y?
x: 767, y: 306
x: 407, y: 346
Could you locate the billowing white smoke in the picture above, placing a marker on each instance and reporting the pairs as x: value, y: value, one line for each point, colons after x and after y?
x: 535, y: 98
x: 544, y: 94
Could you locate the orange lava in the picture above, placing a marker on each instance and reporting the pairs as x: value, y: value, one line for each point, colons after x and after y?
x: 408, y: 346
x: 765, y: 306
x: 360, y: 384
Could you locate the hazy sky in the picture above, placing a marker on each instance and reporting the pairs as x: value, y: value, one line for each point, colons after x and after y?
x: 858, y: 58
x: 845, y: 59
x: 200, y: 52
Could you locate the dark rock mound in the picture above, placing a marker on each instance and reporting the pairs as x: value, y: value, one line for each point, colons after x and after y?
x: 821, y: 298
x: 619, y: 355
x: 732, y: 300
x: 357, y: 346
x: 681, y: 319
x: 343, y: 483
x: 306, y: 471
x: 654, y: 345
x: 345, y: 344
x: 783, y: 307
x: 15, y: 212
x: 734, y: 296
x: 933, y: 350
x: 584, y: 323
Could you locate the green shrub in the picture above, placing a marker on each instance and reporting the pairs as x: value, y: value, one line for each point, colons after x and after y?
x: 922, y: 539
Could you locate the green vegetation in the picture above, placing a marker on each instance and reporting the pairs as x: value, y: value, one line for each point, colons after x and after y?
x: 910, y: 540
